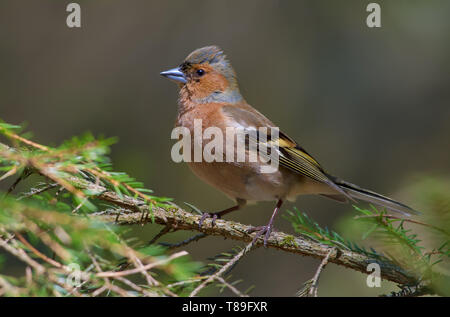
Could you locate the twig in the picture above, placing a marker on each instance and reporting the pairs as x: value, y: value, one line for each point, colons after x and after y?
x: 23, y: 140
x: 20, y: 253
x: 40, y: 269
x: 315, y: 280
x: 184, y: 242
x: 100, y: 290
x: 224, y: 268
x: 163, y: 231
x: 185, y: 282
x: 231, y: 287
x: 37, y: 252
x: 47, y: 240
x: 37, y: 191
x: 26, y: 172
x: 11, y: 172
x: 108, y: 285
x: 6, y: 287
x: 79, y: 205
x: 136, y: 287
x: 143, y: 268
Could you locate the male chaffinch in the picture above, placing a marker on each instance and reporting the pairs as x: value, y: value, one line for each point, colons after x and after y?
x: 209, y: 91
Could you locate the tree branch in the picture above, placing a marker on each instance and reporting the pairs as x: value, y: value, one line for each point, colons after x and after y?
x: 179, y: 219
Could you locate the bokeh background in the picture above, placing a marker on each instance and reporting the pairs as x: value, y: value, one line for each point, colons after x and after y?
x: 372, y: 105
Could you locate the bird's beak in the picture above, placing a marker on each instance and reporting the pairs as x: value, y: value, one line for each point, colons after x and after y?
x: 174, y: 74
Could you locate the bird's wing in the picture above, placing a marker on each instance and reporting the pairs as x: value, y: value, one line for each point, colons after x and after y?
x: 291, y: 155
x: 296, y: 159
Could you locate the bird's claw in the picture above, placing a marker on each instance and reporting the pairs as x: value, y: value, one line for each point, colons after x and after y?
x: 266, y: 230
x: 206, y: 215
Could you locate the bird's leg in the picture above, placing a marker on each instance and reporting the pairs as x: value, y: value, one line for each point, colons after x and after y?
x: 218, y: 215
x: 268, y: 228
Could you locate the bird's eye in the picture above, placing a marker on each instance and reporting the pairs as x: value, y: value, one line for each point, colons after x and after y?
x: 200, y: 72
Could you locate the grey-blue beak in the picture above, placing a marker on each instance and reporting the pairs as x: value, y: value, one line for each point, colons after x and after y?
x: 174, y: 74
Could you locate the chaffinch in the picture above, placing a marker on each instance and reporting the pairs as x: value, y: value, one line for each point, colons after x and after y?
x: 209, y: 92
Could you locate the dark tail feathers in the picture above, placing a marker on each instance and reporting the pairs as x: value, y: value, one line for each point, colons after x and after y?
x: 366, y: 195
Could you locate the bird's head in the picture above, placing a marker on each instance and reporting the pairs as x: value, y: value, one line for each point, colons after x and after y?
x: 207, y: 75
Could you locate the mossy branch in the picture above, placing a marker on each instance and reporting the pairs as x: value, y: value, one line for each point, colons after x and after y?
x: 179, y: 219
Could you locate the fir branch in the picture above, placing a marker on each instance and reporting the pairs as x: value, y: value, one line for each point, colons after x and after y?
x: 82, y: 168
x: 179, y: 219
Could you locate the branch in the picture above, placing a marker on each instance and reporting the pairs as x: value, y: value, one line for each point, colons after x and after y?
x: 179, y: 219
x: 225, y: 268
x: 315, y: 280
x: 142, y: 268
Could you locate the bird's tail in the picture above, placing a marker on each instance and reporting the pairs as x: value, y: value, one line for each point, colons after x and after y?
x: 359, y: 193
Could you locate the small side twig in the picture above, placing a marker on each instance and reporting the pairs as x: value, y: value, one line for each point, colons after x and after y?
x: 312, y: 285
x: 142, y: 268
x: 163, y: 231
x: 224, y: 268
x: 37, y: 252
x: 26, y: 172
x: 184, y: 242
x: 231, y: 287
x: 37, y: 191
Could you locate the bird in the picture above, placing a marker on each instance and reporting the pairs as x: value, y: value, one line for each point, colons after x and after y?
x: 209, y: 91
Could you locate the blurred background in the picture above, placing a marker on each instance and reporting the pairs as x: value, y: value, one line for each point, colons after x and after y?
x: 371, y: 104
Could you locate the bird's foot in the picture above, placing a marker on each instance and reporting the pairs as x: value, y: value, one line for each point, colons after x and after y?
x: 213, y: 216
x: 261, y: 230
